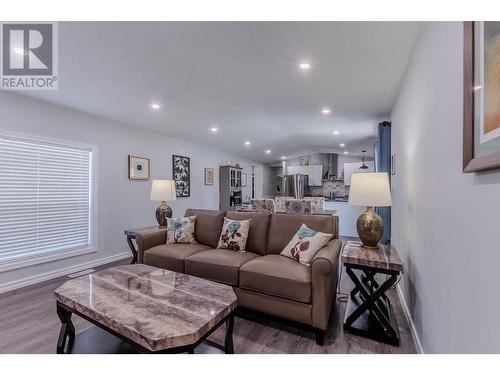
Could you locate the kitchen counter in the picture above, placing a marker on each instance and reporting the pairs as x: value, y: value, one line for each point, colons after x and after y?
x: 341, y: 200
x: 348, y: 215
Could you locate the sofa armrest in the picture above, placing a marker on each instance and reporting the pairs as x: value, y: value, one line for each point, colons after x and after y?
x: 147, y: 241
x: 325, y: 260
x: 324, y: 268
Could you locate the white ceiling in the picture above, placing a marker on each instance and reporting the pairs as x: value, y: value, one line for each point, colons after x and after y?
x: 241, y: 77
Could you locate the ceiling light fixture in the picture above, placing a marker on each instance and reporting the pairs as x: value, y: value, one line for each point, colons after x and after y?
x: 155, y: 106
x: 283, y: 157
x: 342, y: 145
x: 336, y: 132
x: 268, y: 151
x: 247, y: 143
x: 214, y: 129
x: 363, y: 166
x: 326, y: 111
x: 346, y: 152
x: 304, y: 66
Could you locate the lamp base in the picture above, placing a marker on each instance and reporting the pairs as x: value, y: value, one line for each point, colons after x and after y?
x: 162, y: 213
x: 370, y: 228
x: 366, y: 247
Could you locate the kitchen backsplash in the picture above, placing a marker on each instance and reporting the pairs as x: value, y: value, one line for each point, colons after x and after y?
x: 330, y: 188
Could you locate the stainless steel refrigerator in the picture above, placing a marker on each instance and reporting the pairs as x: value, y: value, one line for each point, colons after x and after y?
x: 295, y: 185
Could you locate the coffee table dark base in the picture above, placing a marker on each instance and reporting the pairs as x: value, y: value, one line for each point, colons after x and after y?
x: 101, y: 339
x: 97, y: 341
x: 369, y: 311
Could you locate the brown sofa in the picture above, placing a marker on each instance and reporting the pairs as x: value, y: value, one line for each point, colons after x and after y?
x: 262, y: 279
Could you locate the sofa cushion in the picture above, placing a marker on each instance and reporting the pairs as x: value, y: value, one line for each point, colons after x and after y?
x: 218, y: 265
x: 208, y: 225
x: 171, y: 256
x: 283, y: 227
x: 181, y: 230
x: 234, y: 234
x: 257, y: 235
x: 278, y: 276
x: 305, y: 244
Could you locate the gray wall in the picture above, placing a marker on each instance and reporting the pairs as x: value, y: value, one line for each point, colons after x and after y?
x: 122, y: 203
x: 444, y: 222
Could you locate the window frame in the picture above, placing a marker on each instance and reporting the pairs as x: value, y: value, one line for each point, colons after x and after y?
x: 35, y: 259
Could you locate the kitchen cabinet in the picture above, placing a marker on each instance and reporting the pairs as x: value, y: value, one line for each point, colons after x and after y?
x: 350, y: 168
x: 230, y: 195
x: 235, y: 178
x: 294, y: 169
x: 314, y: 173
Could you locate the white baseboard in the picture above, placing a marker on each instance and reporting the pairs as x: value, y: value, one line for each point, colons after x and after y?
x: 16, y: 284
x: 414, y: 333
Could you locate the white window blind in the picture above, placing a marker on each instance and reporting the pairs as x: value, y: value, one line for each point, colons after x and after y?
x: 45, y: 198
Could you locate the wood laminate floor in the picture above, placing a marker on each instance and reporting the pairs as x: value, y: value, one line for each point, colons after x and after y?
x: 29, y: 324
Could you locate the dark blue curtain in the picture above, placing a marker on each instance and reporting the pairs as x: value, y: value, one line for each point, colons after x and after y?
x: 383, y: 164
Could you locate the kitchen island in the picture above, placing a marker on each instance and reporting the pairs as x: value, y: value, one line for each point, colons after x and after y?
x: 348, y: 215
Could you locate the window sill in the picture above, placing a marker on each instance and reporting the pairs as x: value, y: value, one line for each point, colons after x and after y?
x: 44, y: 258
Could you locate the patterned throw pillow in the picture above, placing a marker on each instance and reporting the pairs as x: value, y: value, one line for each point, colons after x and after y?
x: 234, y: 234
x: 305, y: 244
x: 181, y: 230
x: 297, y: 206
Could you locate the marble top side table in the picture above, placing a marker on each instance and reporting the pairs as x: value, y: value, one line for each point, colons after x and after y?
x: 369, y: 312
x: 132, y: 234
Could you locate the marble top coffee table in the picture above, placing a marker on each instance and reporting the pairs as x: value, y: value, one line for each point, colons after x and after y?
x: 154, y: 310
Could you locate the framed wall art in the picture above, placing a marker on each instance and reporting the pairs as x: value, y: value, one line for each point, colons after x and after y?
x: 139, y: 168
x: 209, y: 176
x: 481, y: 139
x: 181, y: 170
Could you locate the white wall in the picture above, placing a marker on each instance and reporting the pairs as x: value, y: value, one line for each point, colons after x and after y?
x: 122, y: 203
x: 444, y: 222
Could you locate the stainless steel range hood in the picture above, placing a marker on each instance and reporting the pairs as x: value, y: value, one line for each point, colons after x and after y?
x: 329, y: 161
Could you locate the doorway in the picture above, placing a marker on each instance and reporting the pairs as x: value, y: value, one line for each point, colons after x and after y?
x: 257, y: 181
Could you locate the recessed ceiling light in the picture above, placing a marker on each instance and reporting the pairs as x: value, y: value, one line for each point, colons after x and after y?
x: 19, y: 51
x: 346, y: 152
x: 336, y: 132
x: 325, y: 111
x: 247, y: 143
x: 304, y: 66
x: 283, y: 157
x: 214, y: 129
x: 268, y: 151
x: 155, y: 106
x: 342, y: 145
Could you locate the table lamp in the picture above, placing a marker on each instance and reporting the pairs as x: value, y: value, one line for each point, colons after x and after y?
x: 163, y: 191
x: 370, y: 189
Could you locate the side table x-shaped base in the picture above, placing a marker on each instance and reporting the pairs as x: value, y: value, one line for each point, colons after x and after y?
x: 369, y: 312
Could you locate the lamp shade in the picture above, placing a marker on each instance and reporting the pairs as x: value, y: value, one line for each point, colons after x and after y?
x: 370, y: 189
x: 163, y: 190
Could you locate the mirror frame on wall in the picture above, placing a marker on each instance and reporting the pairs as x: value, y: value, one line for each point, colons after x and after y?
x: 470, y: 162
